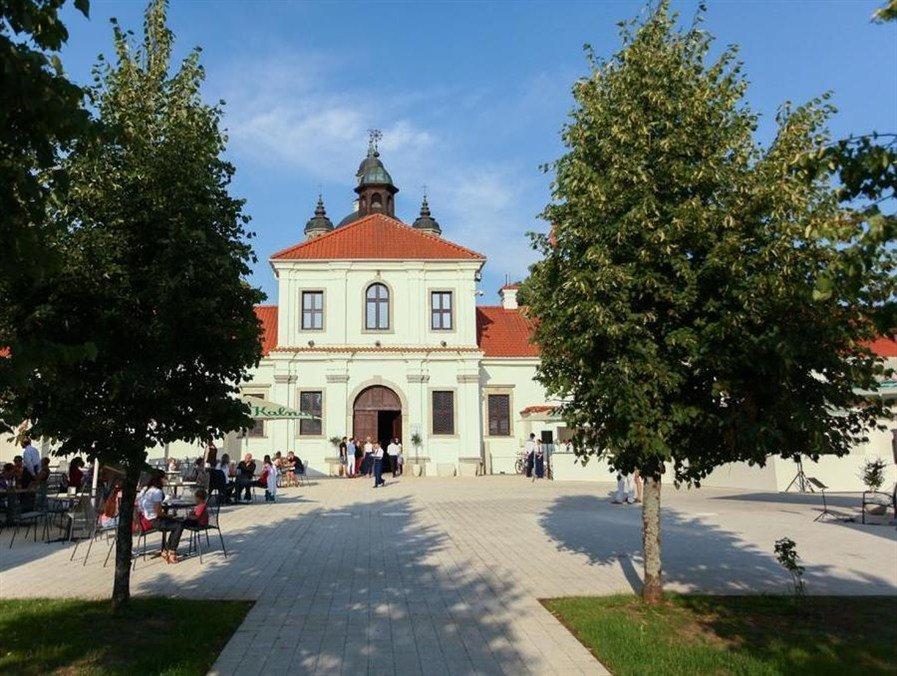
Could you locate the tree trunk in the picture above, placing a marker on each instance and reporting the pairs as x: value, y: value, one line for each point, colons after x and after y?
x: 652, y: 592
x: 121, y: 589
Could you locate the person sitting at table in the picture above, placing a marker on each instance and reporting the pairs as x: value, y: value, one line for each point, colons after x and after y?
x: 109, y: 516
x: 197, y: 517
x: 25, y: 480
x: 8, y: 476
x: 289, y: 470
x: 245, y: 477
x: 218, y: 482
x: 149, y: 503
x: 76, y: 475
x: 224, y: 464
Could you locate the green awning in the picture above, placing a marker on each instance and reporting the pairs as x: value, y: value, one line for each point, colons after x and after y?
x: 261, y: 409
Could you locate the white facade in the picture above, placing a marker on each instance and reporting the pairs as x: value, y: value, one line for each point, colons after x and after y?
x: 342, y: 358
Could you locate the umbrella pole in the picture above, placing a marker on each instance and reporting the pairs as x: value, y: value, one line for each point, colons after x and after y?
x: 95, y: 479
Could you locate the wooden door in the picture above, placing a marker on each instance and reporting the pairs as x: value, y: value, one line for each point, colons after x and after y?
x: 364, y: 425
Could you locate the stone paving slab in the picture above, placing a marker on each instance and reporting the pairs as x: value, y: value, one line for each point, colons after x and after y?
x: 444, y: 576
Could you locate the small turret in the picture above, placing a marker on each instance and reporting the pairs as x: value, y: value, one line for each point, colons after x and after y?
x: 318, y: 224
x: 424, y: 222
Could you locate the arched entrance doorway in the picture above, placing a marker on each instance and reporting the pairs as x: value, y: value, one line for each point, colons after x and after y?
x: 377, y: 413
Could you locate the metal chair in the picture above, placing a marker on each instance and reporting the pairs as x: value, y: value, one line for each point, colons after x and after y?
x: 141, y: 533
x: 197, y: 530
x: 302, y: 472
x: 97, y: 530
x: 16, y: 518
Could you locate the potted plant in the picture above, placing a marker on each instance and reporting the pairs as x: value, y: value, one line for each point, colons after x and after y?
x: 336, y: 441
x: 875, y: 504
x: 873, y: 474
x: 416, y: 441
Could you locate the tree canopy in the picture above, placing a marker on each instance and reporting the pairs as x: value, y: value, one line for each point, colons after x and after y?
x: 691, y: 300
x: 41, y: 118
x: 155, y: 255
x: 702, y: 299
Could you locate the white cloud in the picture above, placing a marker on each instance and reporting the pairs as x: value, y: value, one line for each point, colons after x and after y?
x: 282, y: 111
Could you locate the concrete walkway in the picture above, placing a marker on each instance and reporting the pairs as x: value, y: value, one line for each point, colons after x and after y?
x: 443, y: 576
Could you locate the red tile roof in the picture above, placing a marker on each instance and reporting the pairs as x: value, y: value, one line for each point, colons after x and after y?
x: 267, y: 314
x: 377, y: 237
x: 504, y: 333
x: 373, y: 348
x: 884, y: 347
x: 540, y: 408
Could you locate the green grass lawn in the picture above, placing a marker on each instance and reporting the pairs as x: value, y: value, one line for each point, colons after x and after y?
x: 153, y: 636
x: 736, y: 634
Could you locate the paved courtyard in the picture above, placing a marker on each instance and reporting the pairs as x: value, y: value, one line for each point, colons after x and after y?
x: 443, y: 576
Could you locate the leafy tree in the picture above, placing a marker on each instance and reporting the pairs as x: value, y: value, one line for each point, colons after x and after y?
x: 41, y: 116
x: 153, y: 276
x: 866, y: 165
x: 700, y: 300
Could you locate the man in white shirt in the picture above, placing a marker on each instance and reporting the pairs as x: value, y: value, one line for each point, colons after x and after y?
x: 393, y: 452
x: 530, y: 449
x: 30, y: 456
x: 378, y: 466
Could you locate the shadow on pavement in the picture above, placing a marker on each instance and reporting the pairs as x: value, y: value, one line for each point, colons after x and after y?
x: 697, y: 556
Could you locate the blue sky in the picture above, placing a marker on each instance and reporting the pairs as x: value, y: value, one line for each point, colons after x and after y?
x: 470, y: 97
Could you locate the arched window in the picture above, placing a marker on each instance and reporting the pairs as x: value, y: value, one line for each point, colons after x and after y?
x: 376, y: 201
x: 376, y: 308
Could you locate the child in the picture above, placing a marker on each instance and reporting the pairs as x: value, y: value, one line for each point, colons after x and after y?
x: 269, y: 479
x: 198, y: 516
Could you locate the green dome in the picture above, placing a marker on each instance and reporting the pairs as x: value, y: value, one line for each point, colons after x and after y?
x: 372, y: 172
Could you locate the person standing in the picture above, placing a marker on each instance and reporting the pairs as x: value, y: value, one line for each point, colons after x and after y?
x: 530, y: 451
x: 392, y: 452
x: 352, y: 456
x: 377, y: 454
x: 367, y: 464
x: 269, y: 479
x: 343, y: 457
x: 359, y: 455
x: 30, y: 456
x: 538, y: 462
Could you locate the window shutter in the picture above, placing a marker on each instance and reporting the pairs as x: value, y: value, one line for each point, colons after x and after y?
x: 310, y: 402
x: 443, y: 412
x: 499, y: 406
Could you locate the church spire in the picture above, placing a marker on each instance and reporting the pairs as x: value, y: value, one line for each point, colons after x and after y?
x: 375, y: 187
x: 424, y: 222
x: 318, y: 224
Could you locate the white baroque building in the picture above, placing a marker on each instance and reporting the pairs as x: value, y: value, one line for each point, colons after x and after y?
x: 377, y: 332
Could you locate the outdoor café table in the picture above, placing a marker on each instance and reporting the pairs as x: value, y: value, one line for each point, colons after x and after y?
x: 182, y: 484
x: 172, y: 505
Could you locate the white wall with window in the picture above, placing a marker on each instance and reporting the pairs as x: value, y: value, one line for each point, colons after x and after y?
x: 415, y: 303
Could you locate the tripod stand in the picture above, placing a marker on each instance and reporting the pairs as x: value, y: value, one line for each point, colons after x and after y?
x: 800, y: 480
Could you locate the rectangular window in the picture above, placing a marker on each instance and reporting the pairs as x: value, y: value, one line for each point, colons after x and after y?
x: 441, y: 310
x: 499, y: 409
x: 312, y: 310
x: 258, y: 429
x: 311, y: 402
x: 443, y: 412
